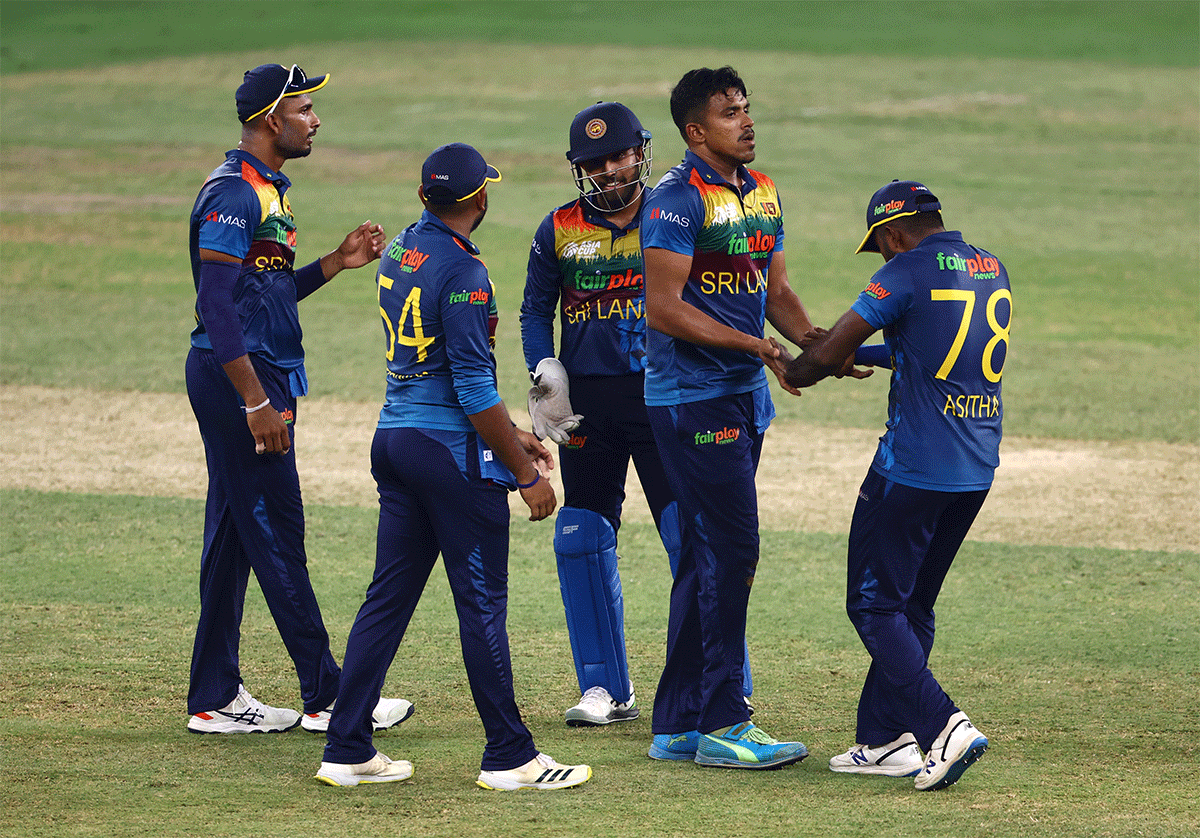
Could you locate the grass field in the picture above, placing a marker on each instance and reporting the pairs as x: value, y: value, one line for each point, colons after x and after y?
x: 1065, y: 137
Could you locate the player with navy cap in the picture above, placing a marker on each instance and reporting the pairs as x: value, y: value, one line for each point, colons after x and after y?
x: 585, y: 265
x: 245, y: 372
x: 445, y: 456
x: 945, y: 308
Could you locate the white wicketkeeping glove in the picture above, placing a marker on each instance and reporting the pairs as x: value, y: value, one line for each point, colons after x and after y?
x: 550, y: 402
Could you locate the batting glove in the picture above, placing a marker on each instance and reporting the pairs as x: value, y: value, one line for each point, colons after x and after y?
x: 550, y: 403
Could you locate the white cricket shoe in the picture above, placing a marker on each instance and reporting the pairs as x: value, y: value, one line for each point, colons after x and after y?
x: 598, y: 707
x: 389, y: 712
x: 245, y: 714
x: 378, y: 769
x: 541, y: 772
x: 957, y: 747
x: 901, y: 758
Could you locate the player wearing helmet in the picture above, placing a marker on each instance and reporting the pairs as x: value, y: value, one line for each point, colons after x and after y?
x: 585, y: 264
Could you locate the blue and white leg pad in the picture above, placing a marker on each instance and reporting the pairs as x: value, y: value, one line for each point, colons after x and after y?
x: 585, y: 546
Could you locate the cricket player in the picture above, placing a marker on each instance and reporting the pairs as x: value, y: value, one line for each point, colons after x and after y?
x: 245, y: 373
x: 945, y: 308
x: 445, y: 456
x: 712, y: 241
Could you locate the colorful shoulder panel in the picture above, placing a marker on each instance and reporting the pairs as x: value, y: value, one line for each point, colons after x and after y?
x: 243, y: 210
x: 595, y: 275
x: 732, y: 236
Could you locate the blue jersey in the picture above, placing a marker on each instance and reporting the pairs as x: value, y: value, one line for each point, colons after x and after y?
x: 243, y: 211
x: 438, y: 308
x: 595, y: 270
x: 731, y: 237
x: 945, y: 308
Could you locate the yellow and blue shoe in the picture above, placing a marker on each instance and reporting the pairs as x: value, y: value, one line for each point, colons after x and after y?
x: 678, y: 746
x: 746, y: 746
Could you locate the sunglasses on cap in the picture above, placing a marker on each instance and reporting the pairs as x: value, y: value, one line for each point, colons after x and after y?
x: 295, y: 75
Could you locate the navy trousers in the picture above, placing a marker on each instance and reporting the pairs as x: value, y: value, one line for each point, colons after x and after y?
x: 253, y: 519
x: 615, y: 429
x: 429, y: 505
x: 902, y: 543
x: 710, y: 451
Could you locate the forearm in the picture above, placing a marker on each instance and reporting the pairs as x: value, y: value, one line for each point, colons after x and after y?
x: 789, y: 316
x: 829, y: 353
x: 245, y: 380
x: 678, y: 319
x: 496, y: 428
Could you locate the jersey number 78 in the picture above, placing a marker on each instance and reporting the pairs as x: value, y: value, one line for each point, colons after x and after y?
x: 999, y: 333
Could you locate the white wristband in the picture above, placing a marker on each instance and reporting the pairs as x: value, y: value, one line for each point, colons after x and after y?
x: 260, y: 407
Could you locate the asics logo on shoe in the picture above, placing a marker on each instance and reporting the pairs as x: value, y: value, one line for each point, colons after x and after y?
x: 249, y: 717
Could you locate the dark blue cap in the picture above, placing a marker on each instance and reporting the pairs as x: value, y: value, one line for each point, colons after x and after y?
x: 455, y: 172
x: 267, y: 84
x: 897, y: 199
x: 603, y: 129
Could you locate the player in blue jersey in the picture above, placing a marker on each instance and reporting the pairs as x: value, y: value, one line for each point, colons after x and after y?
x: 245, y: 372
x: 445, y: 456
x: 585, y: 265
x: 945, y: 309
x: 712, y: 241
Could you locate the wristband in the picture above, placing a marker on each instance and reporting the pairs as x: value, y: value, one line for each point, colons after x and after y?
x: 874, y: 355
x: 531, y: 483
x: 264, y: 404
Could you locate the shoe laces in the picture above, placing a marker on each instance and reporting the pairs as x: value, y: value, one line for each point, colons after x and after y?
x: 598, y: 695
x: 546, y: 760
x: 250, y: 701
x: 757, y: 734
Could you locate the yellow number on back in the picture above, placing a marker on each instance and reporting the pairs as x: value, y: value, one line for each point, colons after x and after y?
x: 999, y: 333
x: 967, y: 297
x: 412, y: 309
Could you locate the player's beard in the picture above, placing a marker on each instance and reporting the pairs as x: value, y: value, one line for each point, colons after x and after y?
x: 479, y: 220
x: 615, y: 200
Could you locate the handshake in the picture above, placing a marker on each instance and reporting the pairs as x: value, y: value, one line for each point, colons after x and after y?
x: 550, y: 402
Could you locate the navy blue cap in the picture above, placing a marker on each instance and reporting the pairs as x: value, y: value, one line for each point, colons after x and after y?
x: 264, y: 87
x: 455, y: 172
x: 899, y: 198
x: 603, y: 129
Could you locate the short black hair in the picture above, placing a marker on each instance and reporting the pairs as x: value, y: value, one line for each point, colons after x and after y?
x: 690, y: 96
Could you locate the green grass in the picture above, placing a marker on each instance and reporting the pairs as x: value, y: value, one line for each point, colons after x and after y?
x: 1075, y: 662
x: 1061, y: 136
x: 1158, y: 34
x: 1081, y: 176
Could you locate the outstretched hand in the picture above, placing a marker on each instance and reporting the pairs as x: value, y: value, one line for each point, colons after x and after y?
x: 362, y: 245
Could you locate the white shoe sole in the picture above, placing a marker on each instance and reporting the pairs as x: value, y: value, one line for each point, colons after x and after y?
x: 582, y: 719
x: 496, y: 781
x: 954, y: 768
x: 322, y: 725
x: 203, y: 727
x: 332, y: 777
x: 878, y: 770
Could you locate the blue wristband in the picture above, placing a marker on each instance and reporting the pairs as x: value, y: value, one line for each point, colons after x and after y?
x: 531, y: 483
x: 875, y: 355
x: 309, y: 279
